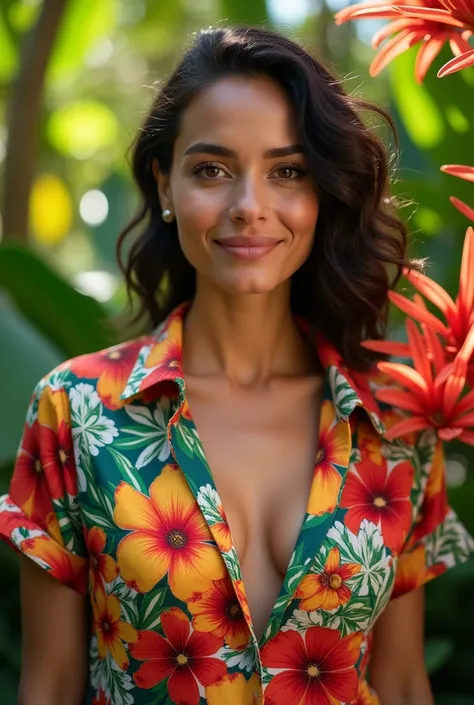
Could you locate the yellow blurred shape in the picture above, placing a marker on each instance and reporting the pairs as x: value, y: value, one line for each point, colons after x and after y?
x: 51, y: 209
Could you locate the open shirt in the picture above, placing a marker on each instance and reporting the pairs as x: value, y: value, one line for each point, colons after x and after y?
x: 113, y: 496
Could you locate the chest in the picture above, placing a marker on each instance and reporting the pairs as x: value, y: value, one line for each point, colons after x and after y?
x: 261, y: 448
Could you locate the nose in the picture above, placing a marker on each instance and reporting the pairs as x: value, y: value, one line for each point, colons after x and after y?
x: 249, y: 202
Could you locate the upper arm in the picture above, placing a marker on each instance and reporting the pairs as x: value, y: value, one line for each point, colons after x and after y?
x: 54, y: 639
x: 397, y: 668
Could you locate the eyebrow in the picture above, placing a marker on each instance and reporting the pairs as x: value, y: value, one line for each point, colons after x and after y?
x: 220, y: 151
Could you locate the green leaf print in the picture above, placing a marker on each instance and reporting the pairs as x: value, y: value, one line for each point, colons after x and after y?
x: 312, y: 521
x: 161, y: 690
x: 349, y: 618
x: 126, y: 470
x: 151, y: 608
x: 344, y: 396
x: 189, y: 442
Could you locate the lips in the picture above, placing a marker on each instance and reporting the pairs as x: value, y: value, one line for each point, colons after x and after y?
x: 248, y: 247
x: 248, y: 241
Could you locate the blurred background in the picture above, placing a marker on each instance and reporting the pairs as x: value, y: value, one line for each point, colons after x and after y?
x: 76, y: 79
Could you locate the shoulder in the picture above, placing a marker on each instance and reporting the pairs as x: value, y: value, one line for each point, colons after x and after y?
x: 102, y: 375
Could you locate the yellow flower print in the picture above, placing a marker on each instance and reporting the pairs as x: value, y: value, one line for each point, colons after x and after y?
x: 169, y: 536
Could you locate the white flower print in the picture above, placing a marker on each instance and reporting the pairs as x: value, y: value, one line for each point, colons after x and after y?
x: 366, y: 548
x: 301, y: 620
x: 107, y: 676
x: 244, y: 659
x: 90, y: 428
x: 150, y: 432
x: 209, y: 501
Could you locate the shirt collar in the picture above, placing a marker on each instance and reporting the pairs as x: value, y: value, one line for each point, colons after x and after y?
x: 159, y: 362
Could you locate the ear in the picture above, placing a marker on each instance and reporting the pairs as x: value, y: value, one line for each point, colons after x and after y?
x: 163, y: 186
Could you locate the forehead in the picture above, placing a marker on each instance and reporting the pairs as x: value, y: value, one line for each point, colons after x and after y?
x: 239, y: 108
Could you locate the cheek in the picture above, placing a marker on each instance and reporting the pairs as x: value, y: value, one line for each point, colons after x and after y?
x: 198, y: 209
x: 300, y: 215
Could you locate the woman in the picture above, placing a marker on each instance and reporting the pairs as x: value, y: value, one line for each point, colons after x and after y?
x: 275, y: 554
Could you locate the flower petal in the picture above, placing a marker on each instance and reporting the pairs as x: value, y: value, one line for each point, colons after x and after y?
x: 141, y: 560
x: 325, y: 490
x: 171, y: 493
x: 415, y: 423
x: 427, y: 53
x: 457, y: 64
x: 430, y: 14
x: 419, y: 314
x: 459, y: 170
x: 404, y: 400
x: 393, y: 48
x: 133, y: 510
x: 387, y: 347
x: 193, y: 570
x: 183, y: 688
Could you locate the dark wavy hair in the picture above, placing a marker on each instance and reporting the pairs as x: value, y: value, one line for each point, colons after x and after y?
x: 342, y: 287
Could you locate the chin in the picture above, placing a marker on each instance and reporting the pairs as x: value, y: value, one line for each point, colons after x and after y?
x: 248, y: 285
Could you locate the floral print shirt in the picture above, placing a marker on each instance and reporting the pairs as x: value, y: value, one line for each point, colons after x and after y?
x: 112, y: 495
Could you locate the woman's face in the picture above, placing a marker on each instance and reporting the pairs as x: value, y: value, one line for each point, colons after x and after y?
x: 246, y: 207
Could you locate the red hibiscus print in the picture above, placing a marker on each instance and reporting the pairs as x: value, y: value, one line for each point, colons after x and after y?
x: 317, y: 669
x: 184, y: 657
x: 30, y: 489
x: 111, y: 368
x: 372, y: 493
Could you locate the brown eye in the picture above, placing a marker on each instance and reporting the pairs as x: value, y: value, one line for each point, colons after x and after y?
x: 211, y: 171
x: 208, y: 170
x: 290, y: 172
x: 285, y: 172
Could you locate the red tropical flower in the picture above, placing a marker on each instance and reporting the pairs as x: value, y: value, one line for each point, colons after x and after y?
x: 103, y: 567
x: 110, y: 629
x: 30, y: 489
x: 218, y: 612
x: 111, y: 367
x: 327, y: 590
x: 382, y: 497
x: 184, y: 657
x: 430, y: 22
x: 459, y: 16
x: 13, y: 518
x: 67, y: 567
x: 462, y: 172
x: 432, y: 389
x: 317, y: 669
x: 55, y: 439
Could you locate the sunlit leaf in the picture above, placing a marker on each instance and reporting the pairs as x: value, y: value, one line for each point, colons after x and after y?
x: 25, y: 356
x: 421, y: 116
x: 8, y: 52
x: 82, y: 128
x: 22, y: 15
x: 73, y: 322
x: 84, y: 22
x: 51, y: 209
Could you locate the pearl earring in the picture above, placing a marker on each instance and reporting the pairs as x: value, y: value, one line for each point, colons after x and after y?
x: 167, y: 215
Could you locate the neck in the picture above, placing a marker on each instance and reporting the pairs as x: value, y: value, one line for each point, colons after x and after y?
x: 248, y: 339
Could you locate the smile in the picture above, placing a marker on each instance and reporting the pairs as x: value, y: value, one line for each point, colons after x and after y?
x: 248, y: 248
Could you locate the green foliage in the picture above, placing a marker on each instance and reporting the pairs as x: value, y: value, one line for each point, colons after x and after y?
x: 71, y: 321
